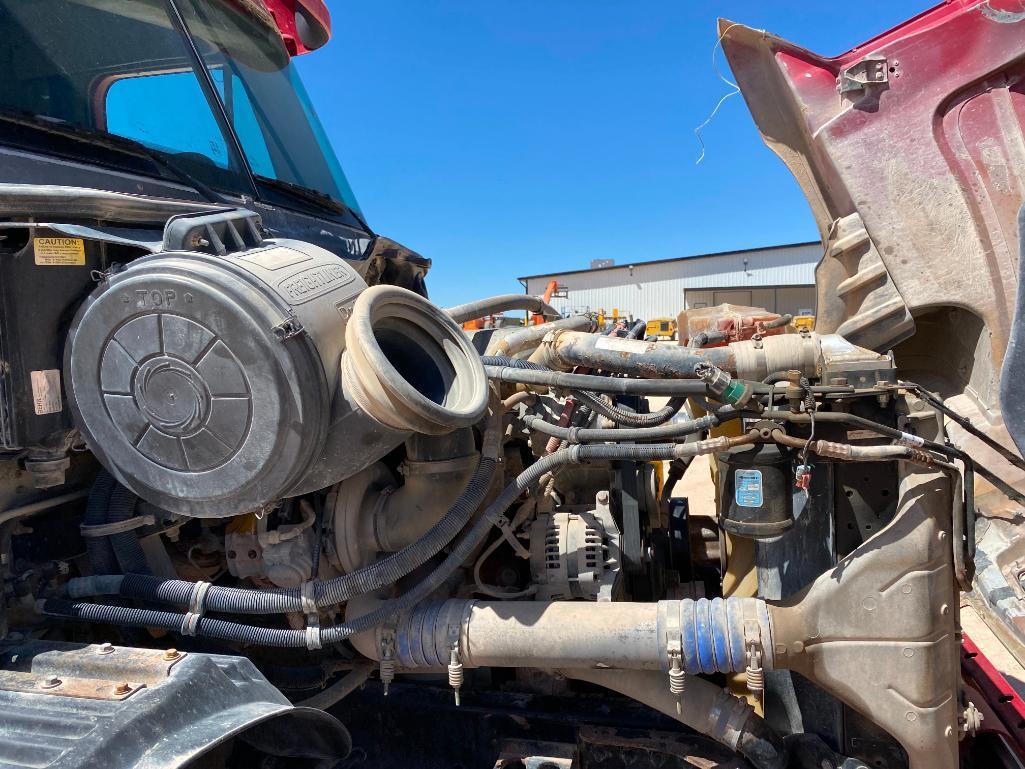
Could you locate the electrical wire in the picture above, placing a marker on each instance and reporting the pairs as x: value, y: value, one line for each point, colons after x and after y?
x: 964, y: 422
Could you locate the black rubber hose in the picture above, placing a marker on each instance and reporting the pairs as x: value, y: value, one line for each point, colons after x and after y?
x: 702, y: 338
x: 206, y: 627
x: 99, y: 549
x: 637, y: 332
x: 460, y: 552
x: 630, y: 418
x: 235, y: 600
x: 762, y: 745
x: 665, y: 432
x: 501, y: 360
x: 677, y: 469
x: 779, y: 322
x: 126, y: 545
x: 341, y: 688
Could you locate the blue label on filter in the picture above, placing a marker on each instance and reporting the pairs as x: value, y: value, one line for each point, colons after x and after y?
x: 748, y: 488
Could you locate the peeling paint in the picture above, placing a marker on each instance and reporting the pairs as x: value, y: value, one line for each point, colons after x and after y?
x: 1001, y: 17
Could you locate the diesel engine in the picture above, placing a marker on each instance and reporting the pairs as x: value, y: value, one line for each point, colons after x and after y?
x: 252, y: 463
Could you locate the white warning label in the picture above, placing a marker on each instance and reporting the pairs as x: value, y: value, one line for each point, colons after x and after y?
x: 46, y: 391
x: 623, y: 345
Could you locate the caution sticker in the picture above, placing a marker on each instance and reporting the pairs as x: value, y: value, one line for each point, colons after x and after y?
x: 46, y: 391
x: 59, y: 251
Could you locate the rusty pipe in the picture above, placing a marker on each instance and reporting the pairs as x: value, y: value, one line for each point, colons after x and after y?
x: 531, y: 336
x: 750, y: 359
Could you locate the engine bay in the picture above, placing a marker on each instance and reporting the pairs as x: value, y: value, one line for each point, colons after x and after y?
x: 262, y: 460
x: 264, y: 504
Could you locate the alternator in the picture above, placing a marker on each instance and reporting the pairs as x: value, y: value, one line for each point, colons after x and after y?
x: 575, y: 555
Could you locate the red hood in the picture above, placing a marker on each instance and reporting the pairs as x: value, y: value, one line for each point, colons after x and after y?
x: 910, y: 150
x: 305, y: 25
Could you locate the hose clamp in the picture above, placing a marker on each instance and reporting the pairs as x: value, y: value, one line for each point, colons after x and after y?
x: 313, y: 633
x: 757, y: 633
x: 674, y: 634
x: 197, y: 605
x: 308, y: 601
x: 307, y: 597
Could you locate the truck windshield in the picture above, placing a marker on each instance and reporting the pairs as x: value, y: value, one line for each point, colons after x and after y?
x: 205, y: 84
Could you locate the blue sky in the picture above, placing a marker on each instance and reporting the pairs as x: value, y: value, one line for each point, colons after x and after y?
x: 510, y: 137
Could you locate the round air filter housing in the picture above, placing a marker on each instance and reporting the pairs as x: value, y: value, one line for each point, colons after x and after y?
x: 208, y: 385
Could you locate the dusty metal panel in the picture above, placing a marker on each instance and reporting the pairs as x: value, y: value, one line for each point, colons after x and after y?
x: 74, y: 706
x: 927, y: 151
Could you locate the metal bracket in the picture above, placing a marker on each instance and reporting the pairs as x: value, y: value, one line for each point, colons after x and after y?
x: 870, y: 72
x: 288, y: 328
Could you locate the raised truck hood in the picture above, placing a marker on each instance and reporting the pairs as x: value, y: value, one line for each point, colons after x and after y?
x: 911, y: 151
x: 910, y: 145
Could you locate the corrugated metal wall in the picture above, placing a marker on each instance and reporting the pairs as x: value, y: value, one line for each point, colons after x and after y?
x: 654, y: 289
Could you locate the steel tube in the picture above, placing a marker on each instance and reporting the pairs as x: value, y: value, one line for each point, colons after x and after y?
x: 707, y: 636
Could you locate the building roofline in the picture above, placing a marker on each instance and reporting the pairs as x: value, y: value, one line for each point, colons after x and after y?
x: 670, y: 259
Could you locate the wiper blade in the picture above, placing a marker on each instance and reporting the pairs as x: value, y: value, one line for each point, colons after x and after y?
x: 113, y: 142
x: 308, y: 195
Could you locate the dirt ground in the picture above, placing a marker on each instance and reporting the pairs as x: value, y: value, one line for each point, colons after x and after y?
x: 696, y: 483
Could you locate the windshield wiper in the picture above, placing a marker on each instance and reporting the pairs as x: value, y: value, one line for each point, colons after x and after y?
x: 112, y: 142
x: 317, y: 198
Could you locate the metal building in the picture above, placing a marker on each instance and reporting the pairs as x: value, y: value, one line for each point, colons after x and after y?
x: 778, y: 278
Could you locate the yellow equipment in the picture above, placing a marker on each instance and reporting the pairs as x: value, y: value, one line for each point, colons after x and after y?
x: 803, y: 322
x: 661, y: 328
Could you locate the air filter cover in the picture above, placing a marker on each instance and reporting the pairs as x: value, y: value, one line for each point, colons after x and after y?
x: 205, y: 383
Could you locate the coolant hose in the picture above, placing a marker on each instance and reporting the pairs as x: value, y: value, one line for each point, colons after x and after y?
x: 702, y: 338
x: 126, y: 545
x: 630, y: 418
x: 665, y: 432
x: 99, y: 549
x: 234, y: 631
x: 496, y: 304
x: 779, y: 322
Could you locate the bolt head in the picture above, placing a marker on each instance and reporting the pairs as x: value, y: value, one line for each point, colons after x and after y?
x: 106, y: 648
x: 122, y: 688
x: 51, y: 682
x: 172, y: 654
